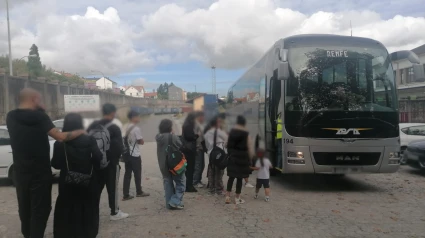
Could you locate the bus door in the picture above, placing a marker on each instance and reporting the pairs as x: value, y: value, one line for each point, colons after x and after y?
x: 272, y: 109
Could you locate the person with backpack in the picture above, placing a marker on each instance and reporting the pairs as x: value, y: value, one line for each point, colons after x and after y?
x: 189, y: 138
x: 77, y: 205
x: 215, y: 138
x: 174, y: 179
x: 200, y: 151
x: 132, y: 157
x: 109, y: 140
x: 239, y: 164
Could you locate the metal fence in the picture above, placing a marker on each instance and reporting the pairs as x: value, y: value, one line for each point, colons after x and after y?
x: 412, y: 111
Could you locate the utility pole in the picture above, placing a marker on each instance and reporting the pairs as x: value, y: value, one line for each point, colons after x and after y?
x: 8, y: 35
x: 213, y: 79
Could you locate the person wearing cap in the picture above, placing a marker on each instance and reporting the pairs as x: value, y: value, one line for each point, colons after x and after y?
x: 133, y: 164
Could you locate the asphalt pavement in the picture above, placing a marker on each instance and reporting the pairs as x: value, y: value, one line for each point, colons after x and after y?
x: 362, y: 205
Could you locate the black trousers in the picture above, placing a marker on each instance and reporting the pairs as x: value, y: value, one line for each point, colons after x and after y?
x: 190, y: 169
x: 132, y: 165
x: 34, y: 193
x: 109, y: 177
x: 238, y: 184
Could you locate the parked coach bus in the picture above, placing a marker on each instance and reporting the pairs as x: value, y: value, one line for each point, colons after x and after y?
x: 335, y: 98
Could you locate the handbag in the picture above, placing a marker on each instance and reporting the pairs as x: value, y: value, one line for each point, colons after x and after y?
x: 77, y: 178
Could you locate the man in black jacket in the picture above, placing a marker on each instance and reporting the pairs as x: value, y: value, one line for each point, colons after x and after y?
x: 29, y: 127
x: 110, y: 175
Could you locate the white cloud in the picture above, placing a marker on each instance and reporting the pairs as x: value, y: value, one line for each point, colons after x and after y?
x: 235, y: 33
x: 228, y: 33
x: 80, y: 43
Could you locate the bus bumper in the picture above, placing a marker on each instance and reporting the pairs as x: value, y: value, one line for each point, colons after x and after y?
x: 341, y: 160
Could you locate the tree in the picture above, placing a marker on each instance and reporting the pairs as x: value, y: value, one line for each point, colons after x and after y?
x: 35, y: 67
x: 163, y: 90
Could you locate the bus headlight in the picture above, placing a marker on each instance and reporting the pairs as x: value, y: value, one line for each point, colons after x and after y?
x: 299, y: 154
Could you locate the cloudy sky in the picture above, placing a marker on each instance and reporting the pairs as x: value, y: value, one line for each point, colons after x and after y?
x: 150, y: 42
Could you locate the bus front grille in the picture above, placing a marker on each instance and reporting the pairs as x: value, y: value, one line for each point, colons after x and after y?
x: 335, y: 158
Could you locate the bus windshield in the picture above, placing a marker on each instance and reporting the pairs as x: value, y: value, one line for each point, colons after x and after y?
x: 348, y: 79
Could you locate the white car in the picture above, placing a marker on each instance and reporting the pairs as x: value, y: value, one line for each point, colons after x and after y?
x: 410, y: 132
x: 6, y: 159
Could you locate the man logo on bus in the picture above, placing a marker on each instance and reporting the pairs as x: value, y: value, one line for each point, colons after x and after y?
x: 343, y: 131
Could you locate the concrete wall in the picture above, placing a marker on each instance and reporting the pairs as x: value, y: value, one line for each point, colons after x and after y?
x: 53, y: 95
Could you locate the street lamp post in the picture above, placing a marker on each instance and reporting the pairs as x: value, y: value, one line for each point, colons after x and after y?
x: 8, y: 35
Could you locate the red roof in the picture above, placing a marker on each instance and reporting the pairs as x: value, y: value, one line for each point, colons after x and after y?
x: 154, y: 94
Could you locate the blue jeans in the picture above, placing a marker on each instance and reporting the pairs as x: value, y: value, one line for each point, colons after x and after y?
x: 174, y: 194
x: 279, y: 153
x: 199, y: 167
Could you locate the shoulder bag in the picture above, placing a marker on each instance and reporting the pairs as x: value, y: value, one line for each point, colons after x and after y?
x: 76, y: 178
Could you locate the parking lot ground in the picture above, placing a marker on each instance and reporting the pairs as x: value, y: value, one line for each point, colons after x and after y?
x: 363, y: 205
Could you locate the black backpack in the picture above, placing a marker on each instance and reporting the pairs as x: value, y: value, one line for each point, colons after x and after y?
x: 127, y: 150
x: 218, y: 156
x: 176, y: 162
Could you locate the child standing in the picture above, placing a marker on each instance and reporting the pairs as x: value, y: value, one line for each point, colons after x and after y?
x: 263, y: 165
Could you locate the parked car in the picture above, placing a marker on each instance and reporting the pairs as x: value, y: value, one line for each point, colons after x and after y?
x: 410, y: 132
x: 6, y: 158
x: 414, y: 154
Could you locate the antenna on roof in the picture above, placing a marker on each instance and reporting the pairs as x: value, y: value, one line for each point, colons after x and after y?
x: 351, y: 27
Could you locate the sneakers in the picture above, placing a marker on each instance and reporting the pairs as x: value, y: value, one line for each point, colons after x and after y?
x: 267, y: 199
x: 227, y: 200
x: 129, y: 197
x: 120, y: 215
x: 248, y: 185
x: 176, y: 207
x: 255, y: 196
x: 239, y: 201
x: 143, y: 194
x: 199, y: 185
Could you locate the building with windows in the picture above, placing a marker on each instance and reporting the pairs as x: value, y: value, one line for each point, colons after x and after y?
x: 411, y: 93
x: 105, y: 83
x: 133, y: 91
x: 175, y: 93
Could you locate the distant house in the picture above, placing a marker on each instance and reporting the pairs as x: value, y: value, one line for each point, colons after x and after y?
x: 175, y: 93
x: 134, y: 91
x: 105, y: 83
x: 153, y: 95
x: 253, y: 97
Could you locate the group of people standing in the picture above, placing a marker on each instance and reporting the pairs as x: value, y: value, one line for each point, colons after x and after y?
x: 83, y: 173
x: 199, y: 139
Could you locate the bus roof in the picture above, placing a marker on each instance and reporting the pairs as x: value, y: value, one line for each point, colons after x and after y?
x: 327, y: 39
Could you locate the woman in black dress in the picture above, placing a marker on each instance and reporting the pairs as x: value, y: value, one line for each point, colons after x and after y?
x: 189, y: 149
x: 77, y: 207
x: 240, y: 151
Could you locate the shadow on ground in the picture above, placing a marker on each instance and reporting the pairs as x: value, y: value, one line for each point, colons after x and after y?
x: 324, y: 183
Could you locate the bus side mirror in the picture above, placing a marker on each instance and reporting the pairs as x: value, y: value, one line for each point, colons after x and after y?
x: 283, y: 70
x: 418, y: 73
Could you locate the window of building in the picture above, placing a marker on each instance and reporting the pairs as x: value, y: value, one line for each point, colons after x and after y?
x: 410, y: 75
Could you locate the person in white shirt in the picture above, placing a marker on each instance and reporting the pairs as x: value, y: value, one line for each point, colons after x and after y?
x: 133, y: 164
x: 215, y: 174
x: 263, y: 165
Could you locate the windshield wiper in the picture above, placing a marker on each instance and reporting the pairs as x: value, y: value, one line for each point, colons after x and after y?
x: 320, y: 114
